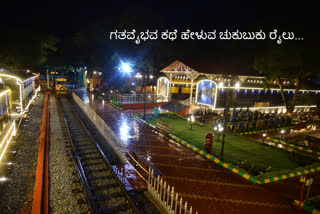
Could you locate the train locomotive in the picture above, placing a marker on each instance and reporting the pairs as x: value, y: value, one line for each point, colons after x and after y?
x: 61, y: 87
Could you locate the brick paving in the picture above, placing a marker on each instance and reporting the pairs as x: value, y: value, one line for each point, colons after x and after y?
x: 208, y: 187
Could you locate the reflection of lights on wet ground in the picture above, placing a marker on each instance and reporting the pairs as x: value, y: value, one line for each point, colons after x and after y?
x: 124, y: 131
x: 135, y: 128
x: 86, y: 100
x: 148, y: 158
x: 102, y: 102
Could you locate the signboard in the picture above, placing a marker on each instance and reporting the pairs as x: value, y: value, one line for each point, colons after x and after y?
x: 163, y: 87
x: 206, y: 93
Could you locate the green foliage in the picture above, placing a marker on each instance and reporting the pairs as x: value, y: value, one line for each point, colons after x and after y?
x: 301, y: 159
x: 251, y: 168
x: 22, y: 48
x: 313, y: 202
x: 257, y: 159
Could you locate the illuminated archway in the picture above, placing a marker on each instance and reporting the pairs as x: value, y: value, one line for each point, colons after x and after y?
x: 163, y: 87
x: 206, y: 93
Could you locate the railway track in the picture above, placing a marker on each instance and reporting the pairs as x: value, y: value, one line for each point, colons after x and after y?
x: 105, y: 192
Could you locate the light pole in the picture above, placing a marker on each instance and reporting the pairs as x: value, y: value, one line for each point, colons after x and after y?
x: 191, y: 120
x: 218, y: 129
x: 282, y: 132
x: 264, y: 135
x: 138, y: 76
x: 226, y: 115
x: 145, y: 94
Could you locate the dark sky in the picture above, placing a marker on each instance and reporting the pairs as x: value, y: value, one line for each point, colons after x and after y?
x: 69, y: 17
x: 72, y: 16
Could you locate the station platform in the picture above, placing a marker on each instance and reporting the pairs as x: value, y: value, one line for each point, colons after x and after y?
x: 206, y: 186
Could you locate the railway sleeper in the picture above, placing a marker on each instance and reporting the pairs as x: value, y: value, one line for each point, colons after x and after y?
x: 86, y: 153
x: 93, y: 149
x: 102, y: 187
x: 90, y: 171
x: 108, y: 197
x: 115, y: 209
x: 90, y: 158
x: 92, y: 178
x: 86, y: 164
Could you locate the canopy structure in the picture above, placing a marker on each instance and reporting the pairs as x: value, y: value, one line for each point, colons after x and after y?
x: 180, y: 73
x: 21, y: 86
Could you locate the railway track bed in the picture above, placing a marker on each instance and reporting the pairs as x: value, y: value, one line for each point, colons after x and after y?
x: 104, y: 190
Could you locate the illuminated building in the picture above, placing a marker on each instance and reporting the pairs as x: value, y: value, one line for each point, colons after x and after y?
x: 247, y: 87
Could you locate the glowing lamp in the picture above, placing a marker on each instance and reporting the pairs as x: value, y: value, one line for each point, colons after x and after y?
x: 125, y: 67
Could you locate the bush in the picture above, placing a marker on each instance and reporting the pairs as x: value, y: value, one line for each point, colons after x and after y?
x: 314, y: 202
x: 300, y: 159
x: 251, y: 168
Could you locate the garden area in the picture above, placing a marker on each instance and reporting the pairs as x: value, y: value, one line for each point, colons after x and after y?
x: 259, y: 160
x: 313, y: 202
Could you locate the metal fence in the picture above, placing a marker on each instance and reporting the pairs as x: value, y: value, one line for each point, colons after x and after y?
x: 133, y: 98
x: 165, y: 196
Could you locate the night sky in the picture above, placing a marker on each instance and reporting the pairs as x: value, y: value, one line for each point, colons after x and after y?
x: 66, y: 19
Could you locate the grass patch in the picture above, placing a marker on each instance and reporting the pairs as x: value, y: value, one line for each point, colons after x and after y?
x: 257, y: 159
x: 313, y: 202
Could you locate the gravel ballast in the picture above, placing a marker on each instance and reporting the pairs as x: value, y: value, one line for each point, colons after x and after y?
x: 16, y: 194
x: 63, y: 178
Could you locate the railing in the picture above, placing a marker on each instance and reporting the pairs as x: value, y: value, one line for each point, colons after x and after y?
x: 165, y: 196
x: 120, y: 173
x: 187, y: 101
x: 133, y: 98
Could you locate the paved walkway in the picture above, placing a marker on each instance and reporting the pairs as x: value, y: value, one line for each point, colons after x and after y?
x: 208, y: 187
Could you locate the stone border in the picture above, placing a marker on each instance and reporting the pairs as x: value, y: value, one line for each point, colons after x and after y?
x: 117, y: 106
x: 293, y: 146
x: 307, y: 208
x: 231, y: 168
x: 261, y: 131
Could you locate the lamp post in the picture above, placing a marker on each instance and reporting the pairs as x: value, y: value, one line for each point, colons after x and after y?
x: 264, y: 135
x: 145, y: 94
x: 191, y: 120
x: 226, y: 116
x: 282, y: 132
x: 138, y: 76
x: 218, y: 129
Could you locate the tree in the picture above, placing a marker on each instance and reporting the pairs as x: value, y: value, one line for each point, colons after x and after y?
x: 22, y: 48
x: 286, y: 62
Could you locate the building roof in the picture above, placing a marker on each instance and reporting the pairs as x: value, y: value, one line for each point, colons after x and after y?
x: 22, y: 76
x: 178, y: 66
x: 207, y: 67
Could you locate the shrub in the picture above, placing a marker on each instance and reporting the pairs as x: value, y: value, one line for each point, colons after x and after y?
x: 251, y: 168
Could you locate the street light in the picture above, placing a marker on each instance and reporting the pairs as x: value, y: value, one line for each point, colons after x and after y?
x: 218, y: 129
x: 191, y: 120
x: 138, y: 76
x: 126, y: 67
x: 264, y: 135
x: 282, y: 132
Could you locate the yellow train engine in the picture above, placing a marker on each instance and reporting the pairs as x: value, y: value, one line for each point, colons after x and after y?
x: 61, y: 87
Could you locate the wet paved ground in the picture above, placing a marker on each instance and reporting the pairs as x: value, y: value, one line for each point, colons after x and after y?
x: 208, y: 187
